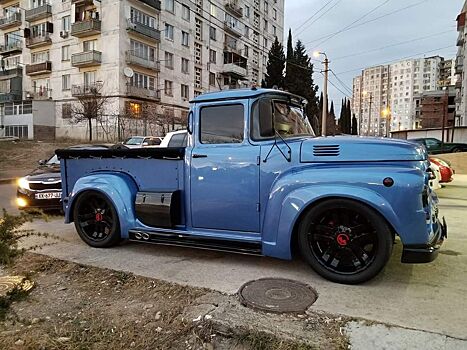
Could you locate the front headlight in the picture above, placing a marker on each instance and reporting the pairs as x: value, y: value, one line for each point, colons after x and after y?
x: 23, y: 183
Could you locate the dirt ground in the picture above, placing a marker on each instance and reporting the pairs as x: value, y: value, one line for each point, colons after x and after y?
x: 79, y: 307
x: 24, y: 155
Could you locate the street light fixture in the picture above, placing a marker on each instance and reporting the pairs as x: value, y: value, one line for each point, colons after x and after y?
x: 386, y: 113
x: 325, y: 91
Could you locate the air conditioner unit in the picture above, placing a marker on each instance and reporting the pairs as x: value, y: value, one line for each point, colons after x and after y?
x: 64, y: 34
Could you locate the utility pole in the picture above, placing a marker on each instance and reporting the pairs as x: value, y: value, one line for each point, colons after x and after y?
x: 369, y: 115
x: 324, y: 117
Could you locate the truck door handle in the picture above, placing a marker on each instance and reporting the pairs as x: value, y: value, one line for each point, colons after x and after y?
x: 195, y: 155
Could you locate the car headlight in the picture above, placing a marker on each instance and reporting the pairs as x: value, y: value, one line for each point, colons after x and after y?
x: 23, y: 183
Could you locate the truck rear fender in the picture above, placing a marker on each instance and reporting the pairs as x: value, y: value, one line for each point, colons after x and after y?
x: 278, y: 242
x: 118, y: 187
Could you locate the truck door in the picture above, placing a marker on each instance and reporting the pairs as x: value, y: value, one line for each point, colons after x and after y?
x: 224, y: 170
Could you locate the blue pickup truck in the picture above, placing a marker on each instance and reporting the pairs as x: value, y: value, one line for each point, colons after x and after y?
x: 254, y: 179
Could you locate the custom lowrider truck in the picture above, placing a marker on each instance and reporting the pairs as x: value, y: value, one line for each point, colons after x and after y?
x: 253, y: 178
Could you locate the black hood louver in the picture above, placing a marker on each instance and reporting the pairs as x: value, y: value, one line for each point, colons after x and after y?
x: 326, y: 150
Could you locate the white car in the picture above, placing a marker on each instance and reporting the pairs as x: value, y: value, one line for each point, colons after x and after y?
x: 175, y: 139
x: 142, y: 141
x: 434, y: 183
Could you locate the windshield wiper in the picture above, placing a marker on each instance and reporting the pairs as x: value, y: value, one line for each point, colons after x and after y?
x: 287, y: 157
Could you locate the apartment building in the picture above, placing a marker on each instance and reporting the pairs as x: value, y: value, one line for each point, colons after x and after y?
x: 383, y: 100
x: 142, y: 59
x: 461, y: 82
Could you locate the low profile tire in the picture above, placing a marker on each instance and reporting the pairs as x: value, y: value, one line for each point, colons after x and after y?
x: 96, y: 220
x: 455, y: 150
x: 345, y: 241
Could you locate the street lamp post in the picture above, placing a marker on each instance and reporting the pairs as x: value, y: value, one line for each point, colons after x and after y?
x: 369, y: 111
x: 325, y: 92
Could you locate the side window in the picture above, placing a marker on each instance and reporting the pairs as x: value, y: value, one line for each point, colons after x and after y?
x: 261, y: 119
x: 431, y: 143
x: 177, y: 140
x: 221, y: 124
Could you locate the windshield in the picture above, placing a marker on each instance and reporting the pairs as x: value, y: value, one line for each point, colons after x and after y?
x: 53, y: 161
x: 133, y: 141
x: 289, y: 120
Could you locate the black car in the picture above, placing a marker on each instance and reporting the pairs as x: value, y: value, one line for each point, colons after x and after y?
x: 42, y: 188
x: 435, y: 146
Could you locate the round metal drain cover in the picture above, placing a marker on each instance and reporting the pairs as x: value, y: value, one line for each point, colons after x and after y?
x: 277, y: 295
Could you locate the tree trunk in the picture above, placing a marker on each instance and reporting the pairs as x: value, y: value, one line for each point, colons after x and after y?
x: 90, y: 129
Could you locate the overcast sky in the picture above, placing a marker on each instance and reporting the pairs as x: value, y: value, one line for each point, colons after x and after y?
x: 429, y: 24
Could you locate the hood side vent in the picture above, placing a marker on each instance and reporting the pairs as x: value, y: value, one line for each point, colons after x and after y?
x: 326, y: 150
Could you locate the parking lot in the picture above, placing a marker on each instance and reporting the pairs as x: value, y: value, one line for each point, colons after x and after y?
x: 426, y: 297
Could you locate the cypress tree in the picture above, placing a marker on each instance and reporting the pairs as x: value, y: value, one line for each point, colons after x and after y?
x: 348, y: 120
x: 275, y: 66
x: 354, y: 125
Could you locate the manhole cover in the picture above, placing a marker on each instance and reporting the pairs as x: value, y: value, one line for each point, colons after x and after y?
x: 277, y: 295
x: 9, y: 283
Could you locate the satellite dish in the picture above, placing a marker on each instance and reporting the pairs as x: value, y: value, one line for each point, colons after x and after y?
x: 128, y: 72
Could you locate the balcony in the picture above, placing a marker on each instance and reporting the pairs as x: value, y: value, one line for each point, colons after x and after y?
x: 37, y: 13
x: 234, y: 70
x: 11, y: 73
x: 232, y: 47
x: 155, y: 4
x: 460, y: 39
x: 143, y: 30
x: 39, y: 94
x: 232, y: 29
x: 233, y: 7
x: 459, y: 65
x: 85, y: 90
x: 38, y: 41
x: 11, y: 48
x: 135, y: 59
x: 139, y: 92
x: 39, y: 68
x: 10, y: 21
x: 86, y: 28
x: 10, y: 96
x: 458, y: 84
x: 86, y: 59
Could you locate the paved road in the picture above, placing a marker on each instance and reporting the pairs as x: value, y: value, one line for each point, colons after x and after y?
x: 7, y: 198
x: 429, y: 297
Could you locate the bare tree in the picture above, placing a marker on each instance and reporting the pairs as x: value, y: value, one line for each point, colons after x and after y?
x: 89, y: 105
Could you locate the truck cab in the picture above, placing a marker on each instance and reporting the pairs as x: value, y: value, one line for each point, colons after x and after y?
x: 253, y: 178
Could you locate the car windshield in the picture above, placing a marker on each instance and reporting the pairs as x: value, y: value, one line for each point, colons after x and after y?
x: 53, y: 161
x: 289, y: 120
x: 133, y: 141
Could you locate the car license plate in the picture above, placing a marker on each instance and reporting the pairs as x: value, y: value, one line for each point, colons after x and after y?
x: 48, y: 195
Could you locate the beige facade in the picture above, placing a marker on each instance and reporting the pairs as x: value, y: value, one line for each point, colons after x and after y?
x: 147, y: 57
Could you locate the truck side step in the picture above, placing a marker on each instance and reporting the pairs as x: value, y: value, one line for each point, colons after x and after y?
x: 187, y: 240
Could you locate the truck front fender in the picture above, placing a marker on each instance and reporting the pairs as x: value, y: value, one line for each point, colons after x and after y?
x: 278, y: 230
x: 119, y: 188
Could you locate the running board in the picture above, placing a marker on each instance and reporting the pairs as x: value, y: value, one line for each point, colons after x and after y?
x: 187, y: 240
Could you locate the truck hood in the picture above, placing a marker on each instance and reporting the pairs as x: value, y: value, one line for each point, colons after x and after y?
x: 356, y: 149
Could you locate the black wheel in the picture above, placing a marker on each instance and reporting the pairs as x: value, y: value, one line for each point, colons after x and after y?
x: 345, y: 241
x: 96, y: 220
x: 456, y: 149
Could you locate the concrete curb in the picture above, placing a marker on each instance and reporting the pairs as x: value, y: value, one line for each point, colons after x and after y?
x: 7, y: 181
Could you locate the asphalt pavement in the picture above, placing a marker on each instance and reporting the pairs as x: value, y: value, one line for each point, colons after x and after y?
x: 427, y: 297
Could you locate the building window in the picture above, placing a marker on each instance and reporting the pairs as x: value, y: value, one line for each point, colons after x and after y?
x: 169, y: 60
x: 212, y: 33
x: 185, y: 38
x: 265, y: 43
x: 39, y: 57
x: 212, y: 79
x: 212, y: 56
x: 143, y: 81
x: 265, y: 25
x: 247, y: 31
x: 170, y: 6
x: 274, y: 13
x: 198, y: 29
x: 185, y: 13
x: 90, y: 45
x: 66, y: 24
x: 89, y: 78
x: 138, y: 16
x: 66, y: 82
x: 66, y: 53
x: 143, y: 51
x: 247, y: 11
x: 274, y: 30
x: 135, y: 109
x: 185, y: 65
x: 246, y: 49
x: 66, y: 111
x: 169, y: 32
x: 266, y: 7
x: 168, y: 88
x: 213, y: 10
x: 185, y: 92
x: 198, y: 78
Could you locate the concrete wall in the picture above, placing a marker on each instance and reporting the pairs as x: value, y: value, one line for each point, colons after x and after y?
x: 460, y: 134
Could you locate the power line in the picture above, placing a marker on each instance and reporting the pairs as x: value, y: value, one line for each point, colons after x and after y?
x: 371, y: 20
x: 331, y: 82
x: 395, y: 59
x: 353, y: 23
x: 329, y: 9
x: 311, y: 17
x: 341, y: 82
x: 392, y: 45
